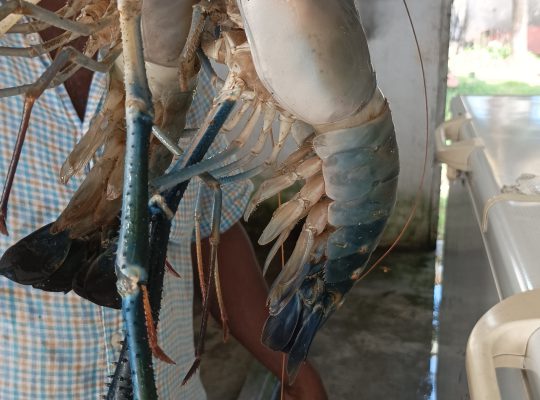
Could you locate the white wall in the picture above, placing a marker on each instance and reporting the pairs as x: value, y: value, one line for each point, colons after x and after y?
x: 396, y: 62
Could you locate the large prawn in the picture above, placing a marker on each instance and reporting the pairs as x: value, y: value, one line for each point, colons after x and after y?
x: 307, y: 62
x: 320, y: 81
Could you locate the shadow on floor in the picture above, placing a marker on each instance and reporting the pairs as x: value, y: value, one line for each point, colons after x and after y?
x: 377, y: 346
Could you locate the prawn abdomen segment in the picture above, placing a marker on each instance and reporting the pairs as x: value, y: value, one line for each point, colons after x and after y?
x: 360, y: 166
x: 296, y: 44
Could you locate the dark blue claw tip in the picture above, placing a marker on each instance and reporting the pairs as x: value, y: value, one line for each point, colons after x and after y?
x: 279, y: 329
x: 97, y: 281
x: 300, y: 348
x: 61, y: 280
x: 20, y: 262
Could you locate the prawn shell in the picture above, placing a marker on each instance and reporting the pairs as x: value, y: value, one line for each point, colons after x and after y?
x: 372, y: 206
x: 349, y: 248
x: 319, y: 48
x: 370, y: 134
x: 360, y: 167
x: 353, y: 167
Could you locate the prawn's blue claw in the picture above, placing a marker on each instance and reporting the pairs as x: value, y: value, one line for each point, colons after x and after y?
x: 57, y: 263
x: 97, y: 282
x: 19, y: 262
x: 292, y: 329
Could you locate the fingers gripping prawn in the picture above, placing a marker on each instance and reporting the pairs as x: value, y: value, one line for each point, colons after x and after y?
x: 319, y: 48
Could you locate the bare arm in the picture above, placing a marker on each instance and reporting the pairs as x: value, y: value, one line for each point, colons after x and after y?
x: 244, y: 294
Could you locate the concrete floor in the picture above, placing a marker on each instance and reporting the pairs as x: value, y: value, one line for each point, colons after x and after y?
x: 376, y: 346
x: 468, y: 292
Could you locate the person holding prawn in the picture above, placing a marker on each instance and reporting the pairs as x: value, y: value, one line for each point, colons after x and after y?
x: 61, y: 346
x: 306, y: 62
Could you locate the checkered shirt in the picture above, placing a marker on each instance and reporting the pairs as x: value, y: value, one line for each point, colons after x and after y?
x: 60, y: 346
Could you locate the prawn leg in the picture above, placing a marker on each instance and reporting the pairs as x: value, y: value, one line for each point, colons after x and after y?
x: 173, y: 178
x: 66, y: 56
x: 193, y: 42
x: 215, y: 186
x: 21, y: 7
x: 207, y: 288
x: 121, y: 383
x: 79, y: 60
x: 133, y: 246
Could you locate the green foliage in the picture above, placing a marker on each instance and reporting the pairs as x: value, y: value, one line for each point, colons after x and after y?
x: 473, y: 86
x: 500, y: 52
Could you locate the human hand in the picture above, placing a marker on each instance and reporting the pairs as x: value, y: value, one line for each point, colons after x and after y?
x: 307, y: 386
x: 165, y: 27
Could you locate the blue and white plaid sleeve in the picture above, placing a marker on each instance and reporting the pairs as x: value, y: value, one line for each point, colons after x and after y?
x: 235, y: 198
x: 60, y: 346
